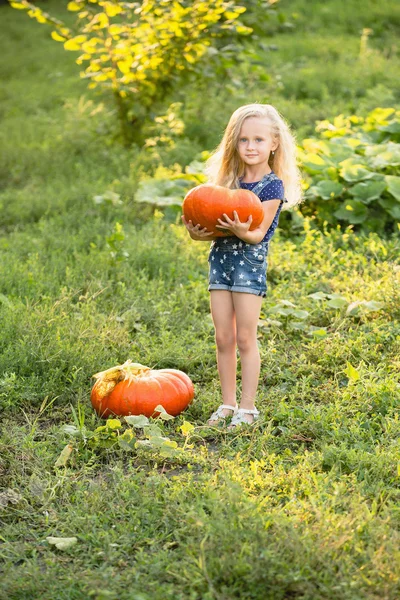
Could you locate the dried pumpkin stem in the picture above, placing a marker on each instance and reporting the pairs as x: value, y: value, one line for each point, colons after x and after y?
x: 107, y: 380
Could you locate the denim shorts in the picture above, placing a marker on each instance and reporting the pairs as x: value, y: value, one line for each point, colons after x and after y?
x: 238, y: 267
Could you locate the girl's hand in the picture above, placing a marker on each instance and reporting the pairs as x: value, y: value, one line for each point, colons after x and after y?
x: 195, y: 230
x: 236, y: 226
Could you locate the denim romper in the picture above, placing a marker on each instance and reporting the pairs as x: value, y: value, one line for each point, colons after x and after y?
x: 236, y: 266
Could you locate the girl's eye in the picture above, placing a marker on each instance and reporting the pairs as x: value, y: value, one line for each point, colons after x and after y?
x: 259, y: 139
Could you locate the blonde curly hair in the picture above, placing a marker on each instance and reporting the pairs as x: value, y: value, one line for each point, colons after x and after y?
x: 224, y: 167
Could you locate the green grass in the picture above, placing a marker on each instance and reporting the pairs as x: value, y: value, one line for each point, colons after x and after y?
x: 302, y: 506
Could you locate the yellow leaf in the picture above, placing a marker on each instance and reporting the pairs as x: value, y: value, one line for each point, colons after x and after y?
x: 99, y: 21
x: 124, y: 66
x: 101, y: 77
x: 190, y: 59
x: 64, y: 456
x: 75, y: 43
x: 116, y: 29
x: 73, y: 6
x: 186, y: 428
x: 111, y: 9
x: 57, y: 37
x: 18, y: 5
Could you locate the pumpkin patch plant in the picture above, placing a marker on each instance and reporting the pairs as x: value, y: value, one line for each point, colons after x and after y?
x: 133, y: 389
x: 206, y: 203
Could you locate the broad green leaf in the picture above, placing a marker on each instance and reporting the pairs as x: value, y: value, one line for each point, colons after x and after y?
x: 300, y: 314
x: 327, y: 189
x: 352, y: 211
x: 152, y: 431
x: 373, y: 305
x: 314, y: 163
x: 186, y: 428
x: 352, y: 372
x: 337, y: 302
x: 127, y: 440
x: 163, y: 413
x: 393, y: 184
x: 62, y: 543
x: 287, y: 303
x: 137, y: 420
x: 281, y: 311
x: 298, y: 325
x: 354, y: 308
x: 392, y: 206
x: 353, y: 171
x: 317, y: 296
x: 366, y: 191
x: 390, y: 158
x: 71, y: 430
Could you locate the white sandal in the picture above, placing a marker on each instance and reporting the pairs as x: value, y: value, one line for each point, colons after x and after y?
x: 239, y: 418
x: 218, y: 416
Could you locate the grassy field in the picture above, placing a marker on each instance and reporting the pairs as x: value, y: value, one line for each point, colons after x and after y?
x: 304, y: 505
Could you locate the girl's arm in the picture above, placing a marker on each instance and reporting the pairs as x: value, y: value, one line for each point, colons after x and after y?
x: 242, y: 230
x: 197, y: 234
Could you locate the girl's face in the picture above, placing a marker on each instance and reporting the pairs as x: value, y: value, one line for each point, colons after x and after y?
x: 255, y: 142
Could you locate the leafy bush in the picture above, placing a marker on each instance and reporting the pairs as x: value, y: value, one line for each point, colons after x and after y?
x: 140, y: 52
x: 352, y: 171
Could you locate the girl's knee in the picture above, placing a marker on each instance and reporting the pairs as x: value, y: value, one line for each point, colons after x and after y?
x: 246, y: 341
x: 225, y: 340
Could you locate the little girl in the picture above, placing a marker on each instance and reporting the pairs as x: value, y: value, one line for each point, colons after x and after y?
x: 257, y: 153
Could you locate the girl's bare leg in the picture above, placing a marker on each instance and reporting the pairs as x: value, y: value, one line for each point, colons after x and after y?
x: 223, y: 315
x: 247, y: 310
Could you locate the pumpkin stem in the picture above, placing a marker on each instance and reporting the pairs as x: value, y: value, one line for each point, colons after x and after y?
x: 107, y: 380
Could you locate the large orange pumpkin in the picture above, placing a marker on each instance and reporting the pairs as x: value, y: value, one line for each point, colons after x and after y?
x: 133, y: 389
x: 206, y: 203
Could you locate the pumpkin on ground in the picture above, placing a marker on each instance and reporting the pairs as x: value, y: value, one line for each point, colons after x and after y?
x: 133, y: 389
x: 206, y: 203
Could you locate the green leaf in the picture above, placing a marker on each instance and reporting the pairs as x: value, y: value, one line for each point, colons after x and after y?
x: 351, y: 372
x: 337, y: 302
x: 298, y: 325
x: 318, y: 331
x: 163, y: 413
x: 137, y: 420
x: 62, y: 543
x: 392, y: 206
x: 354, y: 308
x: 352, y: 211
x: 383, y: 155
x: 354, y: 171
x: 300, y: 314
x: 152, y: 431
x: 287, y: 303
x: 318, y: 296
x: 186, y: 428
x: 327, y: 189
x: 127, y: 440
x: 366, y: 191
x: 373, y: 305
x: 314, y: 163
x: 393, y: 184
